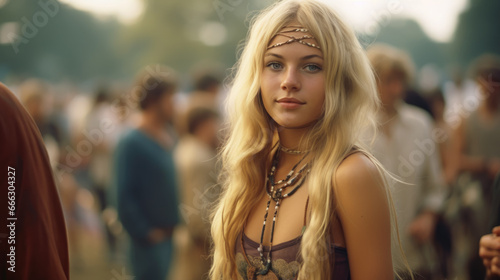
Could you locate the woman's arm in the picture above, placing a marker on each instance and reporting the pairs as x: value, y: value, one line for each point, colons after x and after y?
x: 363, y: 210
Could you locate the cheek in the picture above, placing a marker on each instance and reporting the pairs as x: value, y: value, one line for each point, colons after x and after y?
x: 319, y: 97
x: 267, y: 89
x: 266, y: 101
x: 268, y: 82
x: 320, y: 101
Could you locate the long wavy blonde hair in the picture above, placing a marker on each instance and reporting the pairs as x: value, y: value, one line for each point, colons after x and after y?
x: 350, y: 105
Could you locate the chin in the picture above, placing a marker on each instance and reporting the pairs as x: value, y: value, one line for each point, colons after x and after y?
x: 296, y: 125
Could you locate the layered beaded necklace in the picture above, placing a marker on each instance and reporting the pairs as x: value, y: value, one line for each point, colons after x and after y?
x: 275, y: 192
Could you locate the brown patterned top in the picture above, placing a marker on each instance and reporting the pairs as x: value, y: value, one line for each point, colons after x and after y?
x: 286, y: 259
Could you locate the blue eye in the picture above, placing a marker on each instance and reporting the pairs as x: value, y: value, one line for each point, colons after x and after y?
x: 274, y: 66
x: 312, y: 68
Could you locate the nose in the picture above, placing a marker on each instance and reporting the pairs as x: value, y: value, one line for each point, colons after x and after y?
x: 291, y: 81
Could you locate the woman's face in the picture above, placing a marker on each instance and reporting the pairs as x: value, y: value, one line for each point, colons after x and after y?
x: 293, y: 83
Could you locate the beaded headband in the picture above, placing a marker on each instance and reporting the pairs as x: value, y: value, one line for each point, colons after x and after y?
x: 290, y: 29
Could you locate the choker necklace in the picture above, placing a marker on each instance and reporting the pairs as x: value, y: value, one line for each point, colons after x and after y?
x: 276, y: 193
x: 290, y: 151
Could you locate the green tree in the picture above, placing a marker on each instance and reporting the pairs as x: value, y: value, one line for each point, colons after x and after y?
x: 407, y: 34
x: 169, y: 32
x: 58, y: 43
x: 477, y: 31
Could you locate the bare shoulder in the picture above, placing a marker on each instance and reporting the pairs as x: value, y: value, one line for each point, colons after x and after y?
x: 358, y: 182
x: 357, y: 171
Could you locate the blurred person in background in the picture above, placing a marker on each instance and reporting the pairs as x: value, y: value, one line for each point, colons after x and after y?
x: 206, y: 93
x: 196, y: 160
x: 479, y: 133
x: 478, y: 138
x: 36, y: 97
x: 405, y: 146
x: 207, y: 85
x: 447, y: 147
x: 145, y: 177
x: 458, y: 92
x: 100, y: 157
x: 124, y: 116
x: 449, y: 162
x: 100, y: 127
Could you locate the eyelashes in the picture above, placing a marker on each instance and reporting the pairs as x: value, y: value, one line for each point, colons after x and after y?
x: 316, y: 67
x: 310, y: 68
x: 274, y: 66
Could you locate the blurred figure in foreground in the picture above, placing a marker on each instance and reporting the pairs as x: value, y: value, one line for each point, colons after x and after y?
x: 489, y: 245
x: 37, y: 246
x: 145, y: 178
x: 196, y: 160
x: 406, y: 146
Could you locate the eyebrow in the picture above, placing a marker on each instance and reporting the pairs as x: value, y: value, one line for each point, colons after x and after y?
x: 302, y: 58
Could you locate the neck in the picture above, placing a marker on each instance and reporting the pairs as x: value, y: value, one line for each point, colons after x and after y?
x: 151, y: 122
x: 205, y: 139
x: 290, y: 137
x: 389, y: 110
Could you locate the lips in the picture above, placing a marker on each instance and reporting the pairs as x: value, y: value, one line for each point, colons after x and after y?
x: 290, y: 103
x: 290, y: 100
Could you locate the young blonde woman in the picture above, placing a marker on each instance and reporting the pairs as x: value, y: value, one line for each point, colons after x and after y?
x: 302, y: 198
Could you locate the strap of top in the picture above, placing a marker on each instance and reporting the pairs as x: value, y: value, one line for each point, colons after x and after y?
x: 305, y: 216
x: 243, y: 250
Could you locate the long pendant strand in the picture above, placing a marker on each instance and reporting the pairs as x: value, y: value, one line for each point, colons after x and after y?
x: 273, y: 169
x: 278, y: 196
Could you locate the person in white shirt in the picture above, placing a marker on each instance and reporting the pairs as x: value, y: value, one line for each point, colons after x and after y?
x: 407, y: 146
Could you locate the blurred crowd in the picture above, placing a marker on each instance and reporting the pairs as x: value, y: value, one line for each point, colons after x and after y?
x: 136, y: 165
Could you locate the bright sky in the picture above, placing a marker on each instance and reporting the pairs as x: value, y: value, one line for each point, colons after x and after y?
x: 438, y: 18
x: 125, y: 10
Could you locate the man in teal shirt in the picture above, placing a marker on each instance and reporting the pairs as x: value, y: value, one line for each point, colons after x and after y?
x: 145, y: 178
